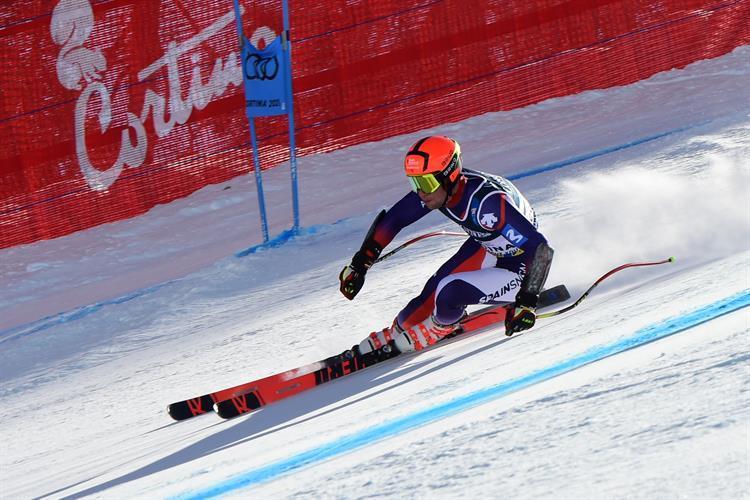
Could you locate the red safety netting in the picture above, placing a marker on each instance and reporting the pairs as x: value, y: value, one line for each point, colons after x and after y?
x: 110, y: 107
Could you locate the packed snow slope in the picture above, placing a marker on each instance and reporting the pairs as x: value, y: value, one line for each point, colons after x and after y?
x: 640, y: 392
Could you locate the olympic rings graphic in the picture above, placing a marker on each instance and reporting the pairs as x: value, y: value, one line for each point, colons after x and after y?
x: 261, y: 68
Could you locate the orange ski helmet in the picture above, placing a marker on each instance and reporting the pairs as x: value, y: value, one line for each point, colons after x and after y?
x: 433, y: 162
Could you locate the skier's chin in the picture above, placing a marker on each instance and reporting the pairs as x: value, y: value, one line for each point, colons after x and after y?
x: 433, y: 204
x: 434, y: 200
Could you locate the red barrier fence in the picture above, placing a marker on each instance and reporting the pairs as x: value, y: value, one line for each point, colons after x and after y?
x: 110, y: 107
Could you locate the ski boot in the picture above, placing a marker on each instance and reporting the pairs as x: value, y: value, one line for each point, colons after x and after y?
x: 422, y: 335
x: 380, y: 340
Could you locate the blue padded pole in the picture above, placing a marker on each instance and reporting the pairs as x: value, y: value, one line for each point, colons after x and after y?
x: 253, y: 139
x: 259, y: 181
x: 290, y: 100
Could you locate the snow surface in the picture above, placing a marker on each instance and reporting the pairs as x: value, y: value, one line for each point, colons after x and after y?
x: 100, y: 330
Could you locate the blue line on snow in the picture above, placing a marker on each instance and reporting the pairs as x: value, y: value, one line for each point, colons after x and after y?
x: 600, y: 152
x: 418, y: 419
x: 27, y: 329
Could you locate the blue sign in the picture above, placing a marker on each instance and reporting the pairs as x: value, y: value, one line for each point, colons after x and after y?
x: 264, y: 72
x: 267, y: 75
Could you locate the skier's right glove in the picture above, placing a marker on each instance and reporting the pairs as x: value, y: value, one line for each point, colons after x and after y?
x: 352, y: 277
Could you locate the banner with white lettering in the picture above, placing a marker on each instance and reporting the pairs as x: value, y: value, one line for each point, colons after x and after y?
x: 110, y: 108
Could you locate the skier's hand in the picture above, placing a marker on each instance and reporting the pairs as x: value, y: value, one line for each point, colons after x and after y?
x: 352, y: 277
x: 518, y: 319
x: 522, y: 315
x: 351, y: 280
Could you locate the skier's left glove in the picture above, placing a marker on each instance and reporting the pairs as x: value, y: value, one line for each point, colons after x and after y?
x: 522, y: 315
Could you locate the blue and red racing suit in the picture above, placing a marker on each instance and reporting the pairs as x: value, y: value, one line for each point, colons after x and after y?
x: 490, y: 265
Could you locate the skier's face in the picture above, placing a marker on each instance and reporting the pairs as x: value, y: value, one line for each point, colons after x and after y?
x: 433, y: 200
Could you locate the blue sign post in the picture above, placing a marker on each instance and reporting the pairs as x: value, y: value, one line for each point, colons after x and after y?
x: 267, y: 75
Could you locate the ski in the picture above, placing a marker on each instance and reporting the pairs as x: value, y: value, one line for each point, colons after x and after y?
x: 244, y: 398
x: 289, y: 383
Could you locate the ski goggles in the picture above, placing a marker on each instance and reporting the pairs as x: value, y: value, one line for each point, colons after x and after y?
x: 427, y: 183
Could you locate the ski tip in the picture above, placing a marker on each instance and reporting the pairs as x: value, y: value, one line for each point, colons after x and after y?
x: 671, y: 259
x: 227, y: 409
x: 179, y: 412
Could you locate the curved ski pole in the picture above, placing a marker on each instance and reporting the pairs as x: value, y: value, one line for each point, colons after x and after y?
x: 419, y: 238
x: 605, y: 276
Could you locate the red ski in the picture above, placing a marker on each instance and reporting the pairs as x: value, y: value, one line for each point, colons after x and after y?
x: 289, y: 383
x: 250, y: 396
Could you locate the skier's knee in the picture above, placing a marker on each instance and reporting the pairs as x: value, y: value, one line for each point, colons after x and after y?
x: 451, y: 299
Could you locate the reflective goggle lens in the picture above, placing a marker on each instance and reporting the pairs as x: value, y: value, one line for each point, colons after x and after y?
x: 426, y: 183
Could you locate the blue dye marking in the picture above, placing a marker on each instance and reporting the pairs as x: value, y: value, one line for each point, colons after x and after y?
x: 27, y: 329
x: 600, y: 152
x: 421, y: 418
x: 276, y: 242
x: 286, y: 236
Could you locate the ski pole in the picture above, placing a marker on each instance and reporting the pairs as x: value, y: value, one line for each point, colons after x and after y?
x: 419, y: 238
x: 605, y: 276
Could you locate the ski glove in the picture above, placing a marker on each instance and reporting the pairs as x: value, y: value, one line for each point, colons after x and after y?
x: 352, y: 281
x: 352, y: 277
x: 522, y: 315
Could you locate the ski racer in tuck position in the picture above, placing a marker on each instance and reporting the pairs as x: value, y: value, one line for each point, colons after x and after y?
x: 505, y: 260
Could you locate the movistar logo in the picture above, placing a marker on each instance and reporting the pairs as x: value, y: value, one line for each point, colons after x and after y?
x: 513, y: 235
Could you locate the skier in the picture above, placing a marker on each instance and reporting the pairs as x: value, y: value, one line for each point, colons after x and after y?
x: 505, y: 259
